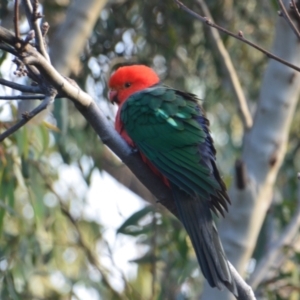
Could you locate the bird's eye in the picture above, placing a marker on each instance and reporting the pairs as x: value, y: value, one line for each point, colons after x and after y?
x: 127, y: 84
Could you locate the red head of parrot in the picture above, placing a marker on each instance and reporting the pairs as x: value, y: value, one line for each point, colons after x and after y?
x: 129, y: 80
x: 123, y: 83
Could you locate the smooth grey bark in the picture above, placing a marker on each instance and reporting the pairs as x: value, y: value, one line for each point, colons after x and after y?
x: 264, y: 149
x: 70, y: 38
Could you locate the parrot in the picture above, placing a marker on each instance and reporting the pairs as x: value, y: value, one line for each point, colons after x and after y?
x: 169, y: 129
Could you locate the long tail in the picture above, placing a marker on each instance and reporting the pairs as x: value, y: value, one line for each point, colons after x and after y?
x: 198, y: 222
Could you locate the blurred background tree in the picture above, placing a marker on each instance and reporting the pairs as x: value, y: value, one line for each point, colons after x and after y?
x: 50, y: 247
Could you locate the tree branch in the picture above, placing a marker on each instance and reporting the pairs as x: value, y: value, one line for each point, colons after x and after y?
x: 33, y: 16
x: 244, y: 290
x: 238, y: 36
x: 21, y: 87
x: 230, y: 71
x: 23, y: 97
x: 7, y: 36
x: 294, y: 6
x: 26, y: 117
x: 285, y: 14
x: 16, y: 19
x: 8, y: 49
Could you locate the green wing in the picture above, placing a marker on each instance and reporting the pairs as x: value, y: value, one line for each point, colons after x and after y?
x: 169, y: 128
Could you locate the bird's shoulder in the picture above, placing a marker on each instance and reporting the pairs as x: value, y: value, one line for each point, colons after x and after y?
x: 165, y: 105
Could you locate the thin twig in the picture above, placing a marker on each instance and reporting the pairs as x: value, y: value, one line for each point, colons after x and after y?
x: 28, y: 116
x: 296, y: 9
x: 26, y: 97
x: 23, y: 97
x: 230, y: 70
x: 16, y: 20
x: 21, y: 87
x: 238, y: 36
x: 32, y: 17
x: 288, y: 19
x: 286, y: 238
